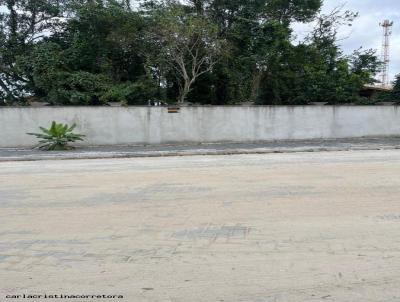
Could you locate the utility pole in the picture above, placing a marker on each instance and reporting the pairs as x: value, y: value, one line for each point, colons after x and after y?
x: 387, y: 32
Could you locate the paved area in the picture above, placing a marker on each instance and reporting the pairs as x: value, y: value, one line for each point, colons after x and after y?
x: 96, y: 152
x: 243, y: 228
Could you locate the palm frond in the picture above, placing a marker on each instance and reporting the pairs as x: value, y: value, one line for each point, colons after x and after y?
x: 57, y: 136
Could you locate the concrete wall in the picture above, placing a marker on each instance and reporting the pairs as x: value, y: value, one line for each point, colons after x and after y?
x: 154, y: 125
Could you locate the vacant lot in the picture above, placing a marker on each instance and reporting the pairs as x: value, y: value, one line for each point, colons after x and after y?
x: 250, y: 228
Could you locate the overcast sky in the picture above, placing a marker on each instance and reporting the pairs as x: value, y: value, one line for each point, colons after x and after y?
x: 365, y: 31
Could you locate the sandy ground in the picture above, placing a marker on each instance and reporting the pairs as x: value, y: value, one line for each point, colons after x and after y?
x: 249, y: 228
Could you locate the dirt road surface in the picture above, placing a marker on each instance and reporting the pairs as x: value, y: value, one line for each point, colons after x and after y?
x: 248, y: 228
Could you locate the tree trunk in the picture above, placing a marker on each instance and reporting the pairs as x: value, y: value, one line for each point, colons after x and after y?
x: 13, y: 23
x: 185, y: 91
x: 255, y: 87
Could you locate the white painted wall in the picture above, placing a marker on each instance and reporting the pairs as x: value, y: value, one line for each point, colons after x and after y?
x: 154, y: 125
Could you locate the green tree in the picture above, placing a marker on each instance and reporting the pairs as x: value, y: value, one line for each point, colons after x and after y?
x: 90, y: 52
x: 98, y: 57
x: 316, y: 69
x: 259, y: 35
x: 22, y: 24
x: 395, y: 94
x: 187, y: 45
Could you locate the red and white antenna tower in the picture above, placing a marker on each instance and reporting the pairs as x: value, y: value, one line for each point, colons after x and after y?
x: 387, y: 32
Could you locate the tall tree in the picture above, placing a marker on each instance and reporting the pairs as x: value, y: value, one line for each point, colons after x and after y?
x: 258, y: 33
x: 188, y: 45
x: 317, y: 69
x: 206, y: 51
x: 97, y: 58
x: 22, y: 24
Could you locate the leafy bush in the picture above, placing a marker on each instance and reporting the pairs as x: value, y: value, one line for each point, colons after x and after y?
x: 57, y: 137
x: 131, y: 93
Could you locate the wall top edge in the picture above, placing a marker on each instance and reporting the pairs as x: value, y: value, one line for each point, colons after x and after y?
x: 206, y: 106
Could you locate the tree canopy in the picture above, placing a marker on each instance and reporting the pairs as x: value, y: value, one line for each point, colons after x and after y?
x: 70, y: 52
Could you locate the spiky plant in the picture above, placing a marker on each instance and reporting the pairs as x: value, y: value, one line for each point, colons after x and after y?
x: 57, y: 137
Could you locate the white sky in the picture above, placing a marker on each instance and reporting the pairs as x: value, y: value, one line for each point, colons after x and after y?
x: 365, y: 31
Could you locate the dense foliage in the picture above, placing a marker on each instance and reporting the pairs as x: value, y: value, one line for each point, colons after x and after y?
x: 70, y: 52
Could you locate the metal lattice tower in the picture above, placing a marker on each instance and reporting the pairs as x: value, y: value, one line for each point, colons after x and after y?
x: 387, y: 32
